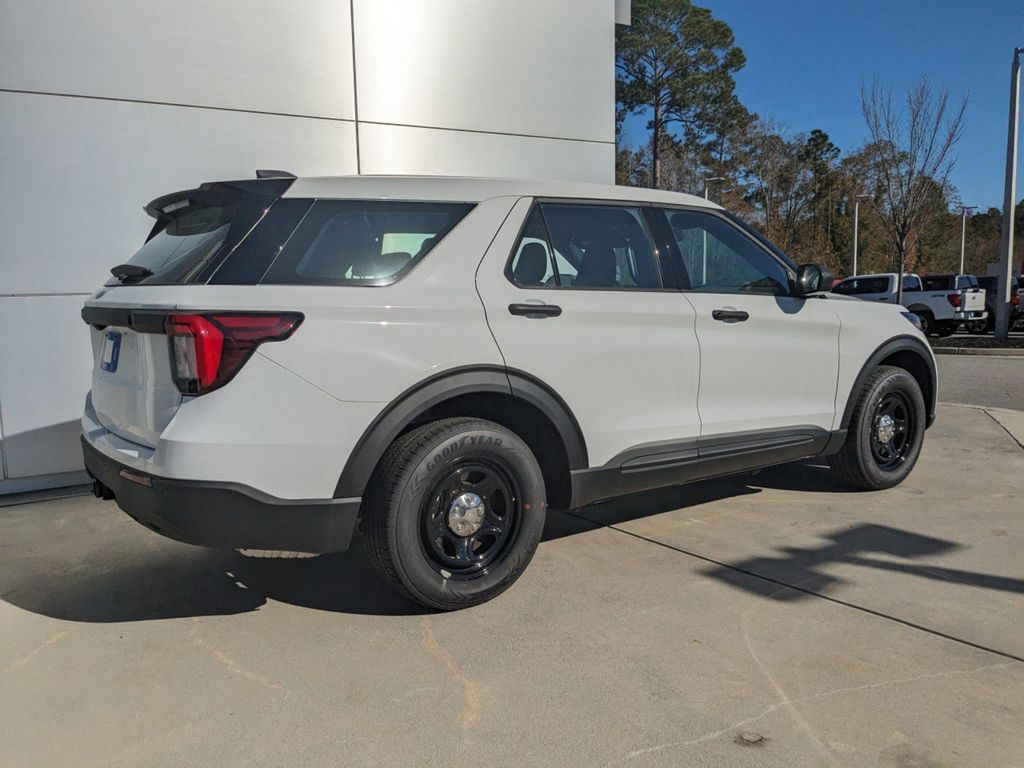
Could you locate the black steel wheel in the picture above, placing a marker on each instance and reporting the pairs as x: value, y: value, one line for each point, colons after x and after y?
x: 892, y: 430
x: 470, y: 518
x: 454, y: 512
x: 885, y: 433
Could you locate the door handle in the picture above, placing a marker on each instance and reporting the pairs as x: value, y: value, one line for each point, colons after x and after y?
x: 730, y: 315
x: 535, y: 310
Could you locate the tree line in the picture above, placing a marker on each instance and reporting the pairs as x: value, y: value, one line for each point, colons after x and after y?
x: 675, y: 65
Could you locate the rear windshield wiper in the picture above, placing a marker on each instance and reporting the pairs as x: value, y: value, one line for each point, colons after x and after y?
x: 131, y: 273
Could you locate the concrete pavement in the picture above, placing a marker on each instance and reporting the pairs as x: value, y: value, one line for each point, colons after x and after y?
x: 773, y: 619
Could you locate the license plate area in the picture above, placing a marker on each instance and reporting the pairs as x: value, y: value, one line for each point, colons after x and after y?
x: 111, y: 351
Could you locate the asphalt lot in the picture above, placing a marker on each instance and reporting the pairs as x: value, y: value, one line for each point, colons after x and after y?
x: 772, y: 619
x: 995, y: 381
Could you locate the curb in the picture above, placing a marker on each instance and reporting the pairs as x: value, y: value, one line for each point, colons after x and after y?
x: 1012, y: 421
x: 980, y: 352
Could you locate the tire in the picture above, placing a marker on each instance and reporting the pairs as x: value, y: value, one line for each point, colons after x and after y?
x: 859, y: 462
x: 978, y: 327
x: 927, y: 322
x: 421, y: 498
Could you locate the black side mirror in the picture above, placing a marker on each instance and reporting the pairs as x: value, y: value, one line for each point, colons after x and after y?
x: 813, y: 278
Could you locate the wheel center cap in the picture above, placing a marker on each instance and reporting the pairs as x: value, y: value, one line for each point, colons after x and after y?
x: 466, y: 514
x: 886, y: 428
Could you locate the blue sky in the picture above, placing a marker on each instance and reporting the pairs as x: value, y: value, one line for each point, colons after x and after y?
x: 807, y: 58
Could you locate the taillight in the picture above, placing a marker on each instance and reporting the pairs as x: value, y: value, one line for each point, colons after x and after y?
x: 954, y: 299
x: 208, y: 349
x: 1015, y: 299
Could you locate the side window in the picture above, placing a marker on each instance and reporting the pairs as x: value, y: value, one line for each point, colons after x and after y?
x: 531, y: 262
x: 846, y: 288
x: 600, y: 246
x: 362, y: 242
x: 719, y: 258
x: 911, y: 283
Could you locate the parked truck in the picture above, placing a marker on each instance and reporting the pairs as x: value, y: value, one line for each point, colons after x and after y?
x: 942, y: 302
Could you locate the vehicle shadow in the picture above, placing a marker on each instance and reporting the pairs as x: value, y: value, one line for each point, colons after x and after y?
x: 74, y: 568
x: 139, y: 576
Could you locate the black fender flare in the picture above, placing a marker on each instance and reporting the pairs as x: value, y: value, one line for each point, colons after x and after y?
x: 420, y: 397
x: 897, y: 344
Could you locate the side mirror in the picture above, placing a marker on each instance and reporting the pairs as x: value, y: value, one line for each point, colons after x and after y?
x: 813, y: 278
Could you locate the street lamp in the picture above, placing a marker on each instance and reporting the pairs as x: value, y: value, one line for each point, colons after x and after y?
x: 963, y: 233
x: 1009, y: 199
x: 856, y: 220
x: 704, y: 234
x: 708, y: 181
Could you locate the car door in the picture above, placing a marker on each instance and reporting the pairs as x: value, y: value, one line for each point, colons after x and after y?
x: 769, y: 359
x: 578, y: 297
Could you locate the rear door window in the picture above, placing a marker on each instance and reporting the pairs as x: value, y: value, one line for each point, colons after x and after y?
x: 361, y: 242
x: 594, y: 246
x: 858, y: 286
x: 937, y: 283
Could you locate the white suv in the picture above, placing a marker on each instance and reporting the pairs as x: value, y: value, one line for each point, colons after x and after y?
x: 438, y: 360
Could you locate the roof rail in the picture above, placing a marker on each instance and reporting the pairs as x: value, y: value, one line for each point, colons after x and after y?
x: 264, y: 173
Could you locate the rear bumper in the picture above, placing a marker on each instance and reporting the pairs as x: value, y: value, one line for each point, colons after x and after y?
x: 228, y: 515
x: 970, y: 315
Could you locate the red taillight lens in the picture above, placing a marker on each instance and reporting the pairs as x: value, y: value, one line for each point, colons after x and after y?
x: 954, y: 299
x: 1015, y: 299
x: 208, y: 349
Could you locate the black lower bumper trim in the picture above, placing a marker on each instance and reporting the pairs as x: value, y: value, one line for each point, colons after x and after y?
x: 226, y: 515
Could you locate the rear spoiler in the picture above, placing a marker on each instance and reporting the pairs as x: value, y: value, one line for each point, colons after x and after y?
x: 271, y: 184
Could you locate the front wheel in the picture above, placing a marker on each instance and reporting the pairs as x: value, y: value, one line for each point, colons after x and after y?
x: 885, y: 433
x: 454, y: 512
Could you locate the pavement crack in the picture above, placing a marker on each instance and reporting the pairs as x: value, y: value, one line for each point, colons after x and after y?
x: 227, y: 661
x: 18, y: 663
x: 470, y: 690
x: 775, y: 706
x: 1003, y: 427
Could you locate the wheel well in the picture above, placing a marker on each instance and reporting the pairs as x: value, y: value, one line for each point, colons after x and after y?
x: 525, y: 420
x: 916, y: 366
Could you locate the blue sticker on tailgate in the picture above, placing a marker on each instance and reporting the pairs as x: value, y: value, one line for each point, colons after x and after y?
x: 111, y: 351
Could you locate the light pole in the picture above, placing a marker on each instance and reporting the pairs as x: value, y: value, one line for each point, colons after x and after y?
x: 704, y: 234
x: 708, y: 181
x: 963, y: 233
x: 856, y: 223
x: 1006, y: 271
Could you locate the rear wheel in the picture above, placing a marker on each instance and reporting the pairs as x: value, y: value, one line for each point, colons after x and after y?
x: 927, y: 322
x: 454, y: 512
x: 886, y: 431
x: 978, y: 327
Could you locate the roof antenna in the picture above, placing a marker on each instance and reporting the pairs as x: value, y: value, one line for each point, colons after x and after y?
x: 264, y: 173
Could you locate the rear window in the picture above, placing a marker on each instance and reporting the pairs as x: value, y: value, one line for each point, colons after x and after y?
x: 193, y: 235
x: 966, y: 281
x: 360, y: 242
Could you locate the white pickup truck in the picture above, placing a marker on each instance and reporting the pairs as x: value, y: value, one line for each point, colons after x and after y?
x: 942, y: 302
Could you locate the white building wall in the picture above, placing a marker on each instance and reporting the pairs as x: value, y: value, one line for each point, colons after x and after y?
x: 107, y: 105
